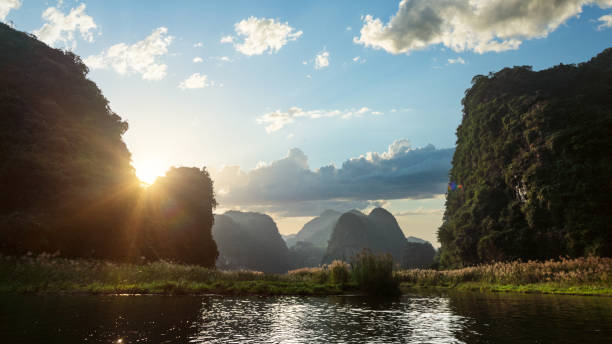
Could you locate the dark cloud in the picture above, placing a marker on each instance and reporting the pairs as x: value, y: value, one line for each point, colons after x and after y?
x: 289, y: 186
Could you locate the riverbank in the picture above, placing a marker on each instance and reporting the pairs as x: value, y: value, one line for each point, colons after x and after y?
x: 580, y: 276
x: 45, y: 274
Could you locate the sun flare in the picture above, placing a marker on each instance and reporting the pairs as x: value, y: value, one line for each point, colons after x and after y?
x: 147, y: 171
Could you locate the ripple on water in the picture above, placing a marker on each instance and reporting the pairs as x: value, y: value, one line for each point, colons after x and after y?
x: 322, y: 320
x: 451, y: 318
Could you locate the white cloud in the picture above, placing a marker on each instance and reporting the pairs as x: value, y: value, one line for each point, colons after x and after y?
x: 457, y: 60
x: 291, y: 187
x: 198, y: 45
x: 6, y: 6
x: 197, y: 59
x: 195, y: 80
x: 261, y: 35
x: 224, y: 58
x: 140, y: 57
x: 401, y: 110
x: 476, y: 25
x: 61, y: 28
x: 276, y: 120
x: 348, y: 28
x: 606, y: 21
x: 322, y: 60
x: 358, y: 59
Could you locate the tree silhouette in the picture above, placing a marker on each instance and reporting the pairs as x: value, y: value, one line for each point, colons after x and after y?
x: 66, y: 182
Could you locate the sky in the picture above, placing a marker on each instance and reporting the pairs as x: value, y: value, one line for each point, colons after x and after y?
x: 297, y: 107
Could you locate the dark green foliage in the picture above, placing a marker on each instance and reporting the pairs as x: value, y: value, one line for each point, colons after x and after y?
x: 418, y: 255
x: 374, y: 273
x: 250, y: 241
x: 65, y: 176
x: 66, y: 183
x: 534, y: 155
x: 178, y: 217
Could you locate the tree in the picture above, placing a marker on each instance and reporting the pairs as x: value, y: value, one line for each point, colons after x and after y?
x: 534, y: 158
x: 66, y: 180
x: 179, y: 218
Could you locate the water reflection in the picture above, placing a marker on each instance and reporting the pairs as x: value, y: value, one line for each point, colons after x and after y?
x: 323, y: 320
x: 448, y: 318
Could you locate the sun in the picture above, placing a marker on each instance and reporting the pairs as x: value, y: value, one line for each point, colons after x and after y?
x: 147, y: 171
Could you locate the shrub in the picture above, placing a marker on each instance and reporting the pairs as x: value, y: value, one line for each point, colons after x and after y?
x: 339, y: 272
x: 374, y: 273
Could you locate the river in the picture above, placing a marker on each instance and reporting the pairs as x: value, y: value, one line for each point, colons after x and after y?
x: 423, y: 318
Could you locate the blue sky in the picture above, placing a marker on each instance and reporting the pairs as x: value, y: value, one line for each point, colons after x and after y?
x: 397, y: 82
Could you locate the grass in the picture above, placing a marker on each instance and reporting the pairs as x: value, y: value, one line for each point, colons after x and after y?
x: 580, y: 276
x: 47, y: 274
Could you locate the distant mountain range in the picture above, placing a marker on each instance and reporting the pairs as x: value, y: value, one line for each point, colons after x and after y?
x: 354, y: 231
x: 250, y: 241
x: 316, y: 231
x: 335, y: 235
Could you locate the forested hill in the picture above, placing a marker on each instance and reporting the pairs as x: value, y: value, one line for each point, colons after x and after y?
x: 534, y: 159
x: 354, y: 231
x: 60, y: 149
x: 66, y: 183
x: 250, y: 241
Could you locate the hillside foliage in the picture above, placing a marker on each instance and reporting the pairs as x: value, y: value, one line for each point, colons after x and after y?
x: 534, y: 158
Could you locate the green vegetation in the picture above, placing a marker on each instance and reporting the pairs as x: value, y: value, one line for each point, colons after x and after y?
x: 368, y: 274
x: 533, y: 158
x: 374, y: 273
x: 583, y: 276
x: 44, y: 274
x: 339, y: 272
x: 66, y: 183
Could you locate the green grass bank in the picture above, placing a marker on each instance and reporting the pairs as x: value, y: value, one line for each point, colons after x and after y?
x: 46, y: 274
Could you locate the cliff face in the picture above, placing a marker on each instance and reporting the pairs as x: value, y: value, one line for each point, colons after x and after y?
x: 354, y: 231
x: 250, y: 241
x: 533, y: 158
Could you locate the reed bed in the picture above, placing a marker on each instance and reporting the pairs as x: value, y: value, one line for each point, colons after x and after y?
x: 368, y: 273
x: 564, y: 271
x: 47, y: 273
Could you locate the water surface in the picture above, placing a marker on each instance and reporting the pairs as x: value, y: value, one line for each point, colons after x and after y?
x: 433, y: 318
